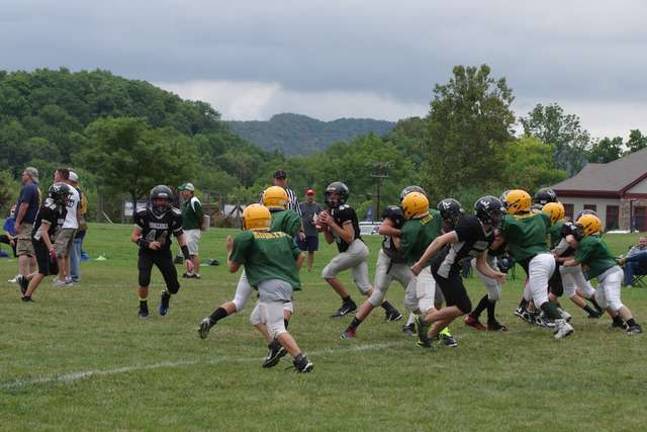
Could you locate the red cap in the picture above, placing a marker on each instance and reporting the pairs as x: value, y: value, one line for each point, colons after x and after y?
x: 310, y: 192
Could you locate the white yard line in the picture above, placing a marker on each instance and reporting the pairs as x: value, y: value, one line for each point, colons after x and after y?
x: 80, y: 375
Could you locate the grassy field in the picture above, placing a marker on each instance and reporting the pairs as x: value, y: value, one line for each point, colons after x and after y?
x: 80, y: 359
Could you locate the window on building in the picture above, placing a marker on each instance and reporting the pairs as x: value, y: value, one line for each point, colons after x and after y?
x: 591, y: 207
x: 613, y: 217
x: 640, y: 218
x: 568, y: 211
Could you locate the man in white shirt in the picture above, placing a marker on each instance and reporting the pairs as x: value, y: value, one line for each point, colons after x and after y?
x: 65, y: 236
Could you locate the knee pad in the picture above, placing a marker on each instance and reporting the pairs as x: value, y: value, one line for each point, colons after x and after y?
x: 377, y: 298
x: 494, y: 293
x: 328, y: 272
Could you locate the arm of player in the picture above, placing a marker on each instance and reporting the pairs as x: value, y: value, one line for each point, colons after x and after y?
x: 561, y: 247
x: 386, y: 228
x: 484, y: 267
x: 345, y: 232
x: 299, y: 260
x: 229, y: 246
x: 44, y: 233
x: 136, y: 237
x: 572, y: 242
x: 181, y: 239
x: 432, y: 249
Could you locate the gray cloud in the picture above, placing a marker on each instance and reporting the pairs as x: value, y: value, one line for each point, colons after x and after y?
x: 575, y: 51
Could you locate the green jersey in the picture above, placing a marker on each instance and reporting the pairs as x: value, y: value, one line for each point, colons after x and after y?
x: 525, y: 235
x: 593, y: 252
x: 555, y: 234
x: 417, y: 234
x: 267, y: 256
x: 192, y: 214
x: 287, y: 221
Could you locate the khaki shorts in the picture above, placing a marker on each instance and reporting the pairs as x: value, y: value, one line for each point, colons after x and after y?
x: 64, y: 241
x: 24, y: 246
x: 192, y: 240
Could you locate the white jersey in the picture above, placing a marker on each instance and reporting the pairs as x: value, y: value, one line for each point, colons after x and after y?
x: 71, y: 219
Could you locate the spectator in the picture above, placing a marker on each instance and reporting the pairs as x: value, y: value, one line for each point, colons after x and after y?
x: 309, y: 211
x: 26, y: 211
x: 65, y: 236
x: 77, y: 244
x: 192, y: 215
x: 635, y: 263
x: 9, y: 228
x: 280, y: 178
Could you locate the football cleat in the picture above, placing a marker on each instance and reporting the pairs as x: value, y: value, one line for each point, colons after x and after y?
x: 562, y: 329
x: 345, y: 309
x: 422, y: 329
x: 634, y: 330
x: 393, y: 315
x: 26, y: 299
x: 448, y: 340
x: 473, y: 322
x: 594, y: 315
x: 23, y: 282
x: 205, y: 326
x: 496, y: 326
x: 164, y: 303
x: 274, y: 355
x: 565, y: 315
x: 143, y: 311
x: 349, y: 333
x: 409, y: 330
x: 619, y: 324
x: 303, y: 365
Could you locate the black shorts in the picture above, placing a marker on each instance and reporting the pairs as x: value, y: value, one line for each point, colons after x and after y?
x: 309, y: 244
x: 46, y: 264
x: 164, y: 262
x: 555, y: 285
x: 453, y: 290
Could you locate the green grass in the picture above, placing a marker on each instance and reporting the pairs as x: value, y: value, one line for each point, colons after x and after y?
x: 158, y: 375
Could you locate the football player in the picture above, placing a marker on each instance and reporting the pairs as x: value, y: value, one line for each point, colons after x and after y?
x: 272, y: 261
x: 571, y: 279
x: 275, y: 198
x: 152, y: 233
x: 49, y: 218
x: 340, y: 225
x: 525, y: 233
x: 390, y: 266
x: 592, y: 251
x: 471, y: 236
x: 542, y: 197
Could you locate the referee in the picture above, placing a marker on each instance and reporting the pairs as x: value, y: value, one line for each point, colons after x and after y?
x: 280, y: 178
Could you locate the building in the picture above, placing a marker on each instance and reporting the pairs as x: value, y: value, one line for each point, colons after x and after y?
x: 617, y: 191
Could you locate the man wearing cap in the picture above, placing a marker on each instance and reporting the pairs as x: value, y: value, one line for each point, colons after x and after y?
x: 65, y: 236
x: 280, y: 178
x: 77, y: 244
x: 192, y: 215
x: 26, y: 210
x: 309, y: 210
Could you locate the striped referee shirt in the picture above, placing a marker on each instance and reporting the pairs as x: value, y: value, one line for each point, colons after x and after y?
x: 293, y: 201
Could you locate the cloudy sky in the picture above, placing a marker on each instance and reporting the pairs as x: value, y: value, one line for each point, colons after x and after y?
x: 329, y: 59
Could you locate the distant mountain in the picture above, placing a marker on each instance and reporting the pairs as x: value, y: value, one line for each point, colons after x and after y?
x: 298, y: 134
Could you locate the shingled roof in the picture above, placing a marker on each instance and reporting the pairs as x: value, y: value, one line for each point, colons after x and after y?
x: 610, y: 179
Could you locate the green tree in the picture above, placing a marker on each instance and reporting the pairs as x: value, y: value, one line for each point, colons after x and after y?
x: 529, y: 165
x: 563, y: 131
x: 637, y: 141
x: 469, y: 122
x: 605, y: 150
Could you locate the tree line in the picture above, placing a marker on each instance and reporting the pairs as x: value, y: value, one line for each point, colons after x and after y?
x: 123, y: 136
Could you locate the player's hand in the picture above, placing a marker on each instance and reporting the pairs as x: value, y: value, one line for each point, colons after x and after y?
x: 229, y: 243
x: 501, y: 277
x: 324, y: 218
x: 52, y: 252
x: 155, y: 245
x: 416, y: 269
x: 301, y: 235
x: 189, y: 266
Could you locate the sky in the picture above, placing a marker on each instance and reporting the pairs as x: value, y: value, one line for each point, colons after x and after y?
x: 330, y: 59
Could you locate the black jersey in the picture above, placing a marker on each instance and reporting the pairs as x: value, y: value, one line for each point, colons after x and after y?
x: 568, y: 228
x: 52, y: 214
x: 341, y: 215
x: 159, y: 229
x: 389, y: 248
x: 472, y: 241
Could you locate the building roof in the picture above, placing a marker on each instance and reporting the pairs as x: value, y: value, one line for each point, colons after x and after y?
x: 610, y: 179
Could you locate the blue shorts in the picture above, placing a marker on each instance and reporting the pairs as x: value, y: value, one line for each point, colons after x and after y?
x: 309, y: 244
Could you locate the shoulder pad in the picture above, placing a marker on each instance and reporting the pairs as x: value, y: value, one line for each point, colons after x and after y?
x: 343, y: 207
x: 176, y: 211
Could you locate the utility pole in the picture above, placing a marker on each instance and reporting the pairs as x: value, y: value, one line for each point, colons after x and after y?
x: 379, y: 173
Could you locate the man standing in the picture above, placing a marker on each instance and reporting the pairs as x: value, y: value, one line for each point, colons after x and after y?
x: 191, y: 222
x: 280, y: 178
x: 75, y: 251
x: 309, y: 210
x: 65, y: 237
x: 26, y: 210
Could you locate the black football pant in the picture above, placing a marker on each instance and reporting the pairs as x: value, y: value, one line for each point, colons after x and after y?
x: 164, y: 262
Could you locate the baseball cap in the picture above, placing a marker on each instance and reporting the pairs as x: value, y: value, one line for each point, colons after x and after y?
x: 32, y: 172
x: 73, y: 177
x: 187, y: 187
x: 280, y: 174
x: 310, y: 192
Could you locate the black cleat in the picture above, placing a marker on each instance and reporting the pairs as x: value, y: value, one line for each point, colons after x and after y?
x: 164, y: 303
x: 393, y: 315
x: 143, y: 311
x: 345, y: 309
x: 496, y: 326
x: 423, y: 338
x: 205, y: 326
x: 303, y: 365
x: 409, y: 330
x: 27, y: 299
x: 274, y: 355
x: 594, y: 315
x: 634, y: 330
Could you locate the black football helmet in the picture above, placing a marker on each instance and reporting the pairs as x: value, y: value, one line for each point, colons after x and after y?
x: 394, y: 213
x: 59, y: 193
x: 489, y: 209
x: 413, y: 188
x: 160, y: 192
x: 580, y: 213
x: 544, y: 195
x: 450, y: 211
x: 339, y: 189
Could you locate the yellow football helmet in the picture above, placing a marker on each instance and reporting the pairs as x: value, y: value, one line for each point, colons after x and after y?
x: 555, y: 210
x: 518, y: 201
x: 275, y: 197
x: 415, y: 204
x: 591, y: 224
x: 256, y: 218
